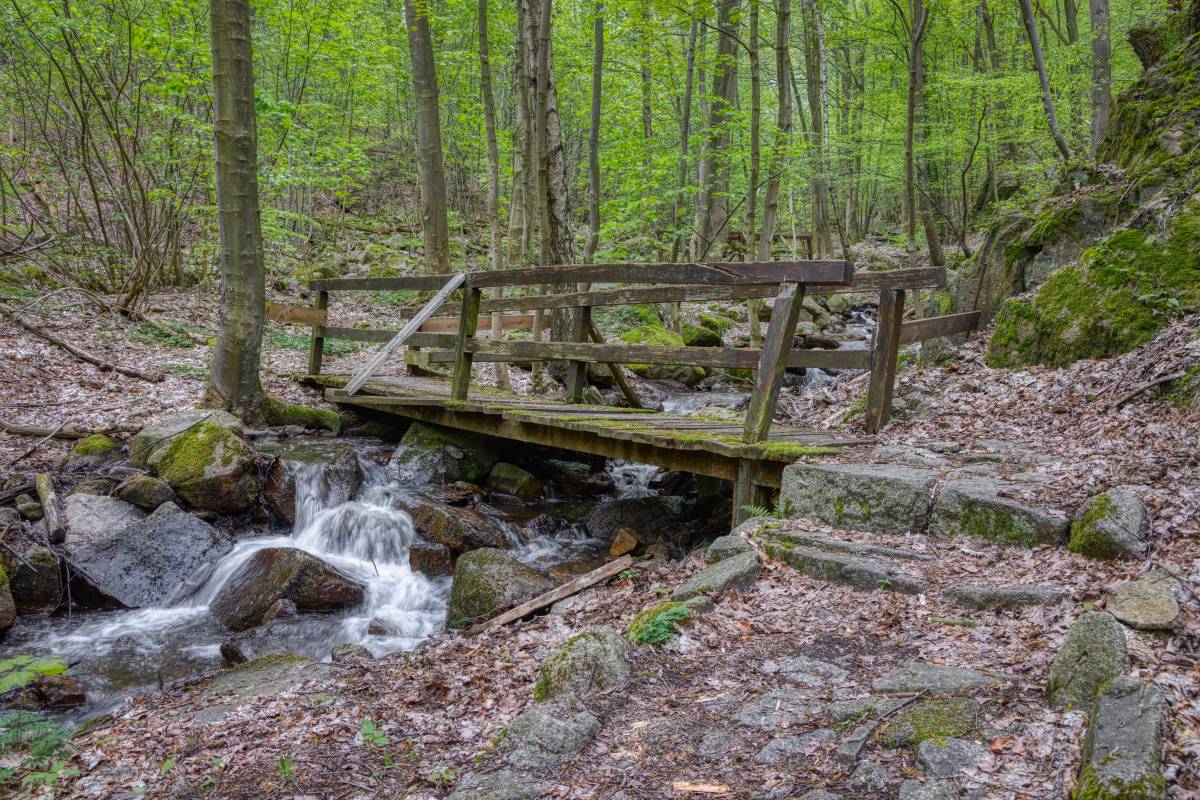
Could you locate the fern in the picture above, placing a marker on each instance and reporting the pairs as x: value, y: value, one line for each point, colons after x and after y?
x: 658, y: 624
x: 20, y: 671
x: 29, y: 743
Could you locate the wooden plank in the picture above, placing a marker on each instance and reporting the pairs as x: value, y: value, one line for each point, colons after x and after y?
x: 316, y: 347
x: 56, y: 531
x: 460, y: 383
x: 933, y: 327
x: 302, y: 315
x: 883, y: 359
x: 922, y: 277
x: 773, y: 362
x: 814, y: 272
x: 508, y: 322
x: 581, y: 319
x: 444, y: 340
x: 616, y: 370
x: 414, y: 325
x: 418, y: 283
x: 573, y: 586
x: 722, y: 357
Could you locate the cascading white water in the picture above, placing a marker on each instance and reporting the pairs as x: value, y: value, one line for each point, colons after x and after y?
x: 631, y: 479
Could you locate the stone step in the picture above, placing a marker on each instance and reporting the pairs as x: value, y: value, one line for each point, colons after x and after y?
x: 838, y: 561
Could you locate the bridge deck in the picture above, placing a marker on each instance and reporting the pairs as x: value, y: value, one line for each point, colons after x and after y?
x: 702, y: 444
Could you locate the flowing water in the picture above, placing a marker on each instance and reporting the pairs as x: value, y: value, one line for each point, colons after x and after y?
x: 116, y: 653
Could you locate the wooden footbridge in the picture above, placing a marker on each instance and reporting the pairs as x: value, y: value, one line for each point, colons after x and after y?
x: 751, y: 451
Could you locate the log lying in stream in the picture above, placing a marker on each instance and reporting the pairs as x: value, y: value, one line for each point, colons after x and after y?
x: 569, y: 588
x: 56, y: 531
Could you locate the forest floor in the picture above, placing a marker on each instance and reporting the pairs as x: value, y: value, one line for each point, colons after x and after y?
x: 439, y: 708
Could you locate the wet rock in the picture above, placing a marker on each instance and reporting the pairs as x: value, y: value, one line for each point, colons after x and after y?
x: 625, y: 542
x: 1092, y: 654
x: 830, y: 562
x: 547, y: 735
x: 739, y: 572
x: 870, y: 776
x: 544, y: 525
x: 876, y: 497
x: 724, y: 547
x: 29, y: 508
x: 144, y: 491
x: 503, y: 784
x: 96, y: 486
x: 510, y: 479
x: 945, y: 758
x: 280, y: 609
x: 913, y: 789
x: 271, y: 637
x: 576, y: 479
x: 347, y: 651
x: 211, y: 468
x: 488, y: 581
x: 1148, y: 604
x: 459, y: 529
x: 778, y: 707
x: 459, y: 493
x: 942, y: 718
x: 1110, y: 525
x: 337, y: 466
x: 976, y: 507
x: 431, y: 559
x: 90, y: 517
x: 804, y: 671
x: 34, y: 582
x: 52, y: 691
x: 1122, y: 751
x: 276, y: 573
x: 990, y: 597
x: 144, y: 563
x: 431, y: 454
x: 147, y: 448
x: 784, y: 747
x: 594, y: 659
x: 935, y: 679
x: 650, y: 519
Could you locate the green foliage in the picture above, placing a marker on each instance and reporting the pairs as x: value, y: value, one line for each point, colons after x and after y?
x: 372, y: 735
x: 284, y: 768
x: 31, y: 746
x: 659, y: 623
x: 169, y: 334
x: 19, y: 671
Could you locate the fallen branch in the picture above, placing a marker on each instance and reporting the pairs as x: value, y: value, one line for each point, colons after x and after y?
x: 61, y: 432
x: 82, y: 355
x: 37, y: 444
x: 15, y: 491
x: 617, y: 371
x: 56, y: 531
x: 1174, y: 376
x: 554, y: 595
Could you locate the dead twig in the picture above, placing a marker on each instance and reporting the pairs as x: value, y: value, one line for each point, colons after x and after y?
x: 1174, y: 376
x: 38, y: 444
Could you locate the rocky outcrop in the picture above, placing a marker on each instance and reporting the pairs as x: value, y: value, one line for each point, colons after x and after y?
x: 940, y: 719
x: 650, y: 519
x: 547, y: 735
x: 152, y: 441
x: 211, y: 468
x: 876, y: 497
x: 1148, y: 604
x: 1093, y: 653
x: 90, y: 517
x: 978, y: 507
x: 1109, y: 525
x: 459, y: 529
x: 488, y: 581
x: 431, y: 454
x: 510, y: 479
x: 737, y: 572
x: 1122, y: 751
x: 282, y: 573
x: 934, y: 679
x: 594, y: 659
x: 144, y: 563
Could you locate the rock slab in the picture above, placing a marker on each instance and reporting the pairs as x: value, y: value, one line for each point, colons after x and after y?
x: 982, y: 598
x: 1109, y: 525
x: 1093, y: 653
x: 739, y: 572
x: 1148, y: 603
x: 934, y: 679
x: 890, y: 498
x: 282, y: 573
x: 977, y: 507
x: 1122, y: 750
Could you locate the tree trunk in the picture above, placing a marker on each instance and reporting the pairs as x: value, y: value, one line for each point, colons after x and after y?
x: 593, y: 239
x: 932, y: 240
x: 434, y: 228
x: 234, y: 381
x: 1040, y: 63
x: 755, y: 135
x: 685, y: 127
x: 520, y: 218
x: 1101, y: 72
x: 818, y: 104
x: 714, y: 216
x: 493, y: 194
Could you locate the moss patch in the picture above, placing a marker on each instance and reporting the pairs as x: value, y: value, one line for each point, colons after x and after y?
x: 933, y: 719
x: 658, y: 623
x: 1092, y: 787
x: 277, y: 412
x: 1088, y: 537
x: 96, y: 445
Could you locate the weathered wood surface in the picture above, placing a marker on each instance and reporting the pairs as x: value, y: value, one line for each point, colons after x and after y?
x: 723, y: 357
x: 883, y: 359
x: 772, y: 362
x: 573, y: 586
x: 316, y: 346
x: 933, y: 327
x: 442, y: 340
x: 808, y: 272
x: 508, y: 322
x: 300, y: 315
x: 415, y: 283
x: 405, y: 333
x: 56, y: 531
x: 616, y: 370
x: 460, y: 382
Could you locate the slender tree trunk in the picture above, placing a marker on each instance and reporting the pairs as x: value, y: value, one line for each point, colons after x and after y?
x: 1071, y: 12
x: 1101, y: 71
x: 932, y: 240
x: 234, y: 381
x: 493, y: 194
x: 589, y: 252
x: 434, y: 228
x: 715, y: 213
x: 685, y: 128
x: 751, y: 220
x: 818, y: 104
x: 1040, y: 64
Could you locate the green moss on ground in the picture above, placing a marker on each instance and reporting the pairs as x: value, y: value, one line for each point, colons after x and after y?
x: 939, y: 720
x: 716, y: 323
x: 278, y: 412
x: 1092, y: 787
x: 658, y: 623
x: 95, y: 445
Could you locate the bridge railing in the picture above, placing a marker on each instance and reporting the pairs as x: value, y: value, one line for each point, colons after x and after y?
x: 787, y: 282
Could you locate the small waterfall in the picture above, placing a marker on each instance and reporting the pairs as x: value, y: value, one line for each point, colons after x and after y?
x: 631, y: 479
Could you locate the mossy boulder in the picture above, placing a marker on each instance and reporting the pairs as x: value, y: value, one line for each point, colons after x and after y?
x: 716, y: 322
x: 144, y: 491
x: 279, y: 413
x: 35, y: 582
x: 431, y: 454
x: 940, y: 719
x: 658, y: 336
x: 94, y: 450
x: 488, y: 581
x: 151, y: 442
x: 459, y: 529
x: 1122, y: 750
x: 1093, y: 653
x: 979, y: 508
x: 594, y: 659
x: 212, y: 469
x: 510, y: 479
x: 700, y: 336
x: 283, y: 573
x: 8, y: 609
x: 1109, y: 525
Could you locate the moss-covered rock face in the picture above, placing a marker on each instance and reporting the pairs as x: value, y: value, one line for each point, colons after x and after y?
x: 658, y: 336
x: 488, y: 581
x: 147, y: 448
x: 700, y: 336
x: 1122, y: 751
x: 277, y: 412
x: 955, y: 717
x: 95, y: 445
x: 34, y: 583
x: 211, y: 468
x: 592, y: 660
x: 429, y: 454
x: 1109, y: 525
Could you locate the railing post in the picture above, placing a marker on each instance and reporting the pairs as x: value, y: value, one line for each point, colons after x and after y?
x: 883, y: 358
x: 581, y: 321
x: 772, y: 361
x: 316, y: 349
x: 460, y: 384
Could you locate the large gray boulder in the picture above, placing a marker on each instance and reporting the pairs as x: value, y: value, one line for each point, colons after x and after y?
x: 34, y: 580
x: 148, y: 446
x: 432, y: 454
x: 739, y: 572
x: 488, y: 581
x: 1110, y: 525
x: 1122, y: 751
x: 650, y: 519
x: 876, y: 497
x: 976, y: 507
x: 92, y: 516
x: 211, y: 468
x: 1149, y: 603
x: 548, y: 734
x: 1093, y: 653
x: 282, y: 573
x: 594, y: 659
x: 146, y: 562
